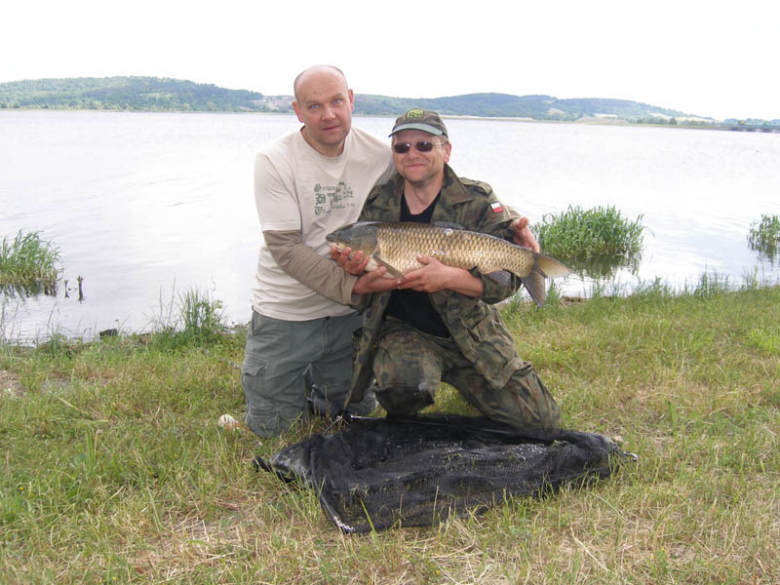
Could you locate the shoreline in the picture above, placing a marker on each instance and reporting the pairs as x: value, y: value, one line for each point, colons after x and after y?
x: 587, y: 120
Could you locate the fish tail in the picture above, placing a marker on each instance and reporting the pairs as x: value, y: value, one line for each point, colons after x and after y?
x: 534, y: 284
x: 550, y: 267
x: 544, y: 267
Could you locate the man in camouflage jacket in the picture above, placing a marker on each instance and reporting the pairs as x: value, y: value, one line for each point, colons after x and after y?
x: 475, y: 352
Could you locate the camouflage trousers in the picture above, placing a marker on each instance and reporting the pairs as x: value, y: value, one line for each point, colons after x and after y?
x: 409, y: 366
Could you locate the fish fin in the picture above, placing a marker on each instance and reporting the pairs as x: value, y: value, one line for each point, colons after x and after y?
x: 534, y: 284
x: 448, y: 225
x: 544, y: 267
x: 550, y: 267
x: 502, y: 277
x: 390, y: 269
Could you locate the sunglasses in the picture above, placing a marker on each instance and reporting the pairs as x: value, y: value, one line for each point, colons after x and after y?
x: 404, y: 147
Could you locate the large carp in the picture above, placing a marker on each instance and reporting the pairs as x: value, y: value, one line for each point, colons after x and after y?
x: 397, y: 245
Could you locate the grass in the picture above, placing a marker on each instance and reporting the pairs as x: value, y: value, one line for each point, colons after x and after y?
x: 596, y: 240
x: 194, y: 318
x: 113, y: 469
x: 28, y: 264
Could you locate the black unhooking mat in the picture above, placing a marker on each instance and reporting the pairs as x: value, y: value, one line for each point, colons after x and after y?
x: 377, y: 473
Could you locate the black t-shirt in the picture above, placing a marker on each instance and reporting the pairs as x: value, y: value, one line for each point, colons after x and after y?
x: 410, y: 305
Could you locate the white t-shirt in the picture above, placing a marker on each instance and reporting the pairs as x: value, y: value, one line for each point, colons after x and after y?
x: 297, y: 188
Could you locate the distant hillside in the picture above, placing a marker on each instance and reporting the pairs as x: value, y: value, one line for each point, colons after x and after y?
x: 155, y: 94
x: 538, y: 107
x: 127, y: 93
x: 162, y: 94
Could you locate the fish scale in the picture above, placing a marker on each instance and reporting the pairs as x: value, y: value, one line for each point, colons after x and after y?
x: 454, y: 247
x: 398, y: 244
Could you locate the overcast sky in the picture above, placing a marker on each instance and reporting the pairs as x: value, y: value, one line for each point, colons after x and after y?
x: 711, y: 58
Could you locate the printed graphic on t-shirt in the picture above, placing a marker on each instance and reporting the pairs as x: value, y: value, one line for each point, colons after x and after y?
x: 329, y: 198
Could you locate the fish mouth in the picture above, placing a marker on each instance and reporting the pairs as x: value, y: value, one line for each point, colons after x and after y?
x: 335, y: 242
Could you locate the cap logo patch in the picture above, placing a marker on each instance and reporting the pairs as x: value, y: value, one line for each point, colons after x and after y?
x: 415, y: 113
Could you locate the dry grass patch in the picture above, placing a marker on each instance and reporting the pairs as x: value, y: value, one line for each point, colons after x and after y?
x: 10, y: 387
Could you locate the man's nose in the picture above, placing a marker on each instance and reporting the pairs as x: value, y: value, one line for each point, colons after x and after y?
x: 327, y: 112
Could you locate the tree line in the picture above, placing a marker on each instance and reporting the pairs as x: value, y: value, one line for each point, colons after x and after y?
x: 176, y: 95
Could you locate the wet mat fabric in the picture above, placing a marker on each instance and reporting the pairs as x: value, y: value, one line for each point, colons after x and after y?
x: 374, y: 474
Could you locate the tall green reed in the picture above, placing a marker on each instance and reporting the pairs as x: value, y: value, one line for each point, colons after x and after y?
x: 766, y: 232
x: 194, y: 318
x: 765, y: 236
x: 595, y: 239
x: 28, y: 264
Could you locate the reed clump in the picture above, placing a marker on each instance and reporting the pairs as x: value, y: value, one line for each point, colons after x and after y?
x: 598, y: 238
x: 765, y: 233
x: 194, y: 318
x: 764, y: 237
x: 28, y: 263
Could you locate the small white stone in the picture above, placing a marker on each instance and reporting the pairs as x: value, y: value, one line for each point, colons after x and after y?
x: 226, y: 421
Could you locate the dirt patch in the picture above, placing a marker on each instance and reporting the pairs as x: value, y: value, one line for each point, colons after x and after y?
x: 9, y: 385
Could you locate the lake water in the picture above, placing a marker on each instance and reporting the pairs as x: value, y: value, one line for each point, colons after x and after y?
x: 145, y: 206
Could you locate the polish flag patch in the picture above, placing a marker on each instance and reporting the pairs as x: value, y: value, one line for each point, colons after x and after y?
x: 496, y: 207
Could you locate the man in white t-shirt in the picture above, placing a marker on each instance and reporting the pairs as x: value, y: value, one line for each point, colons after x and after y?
x: 308, y: 184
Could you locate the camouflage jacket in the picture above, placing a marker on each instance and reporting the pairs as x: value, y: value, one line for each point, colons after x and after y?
x: 474, y: 324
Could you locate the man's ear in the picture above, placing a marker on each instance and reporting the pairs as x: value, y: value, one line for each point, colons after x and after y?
x: 297, y: 110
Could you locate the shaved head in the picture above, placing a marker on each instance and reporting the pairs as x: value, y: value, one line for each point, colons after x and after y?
x: 324, y: 104
x: 313, y: 71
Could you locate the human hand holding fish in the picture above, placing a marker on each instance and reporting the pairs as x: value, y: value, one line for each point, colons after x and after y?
x: 354, y: 263
x: 434, y: 276
x: 523, y: 236
x: 376, y: 281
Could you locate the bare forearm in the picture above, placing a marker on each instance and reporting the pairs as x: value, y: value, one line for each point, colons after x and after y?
x: 465, y: 283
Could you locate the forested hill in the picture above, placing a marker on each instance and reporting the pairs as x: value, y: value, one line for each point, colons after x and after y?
x: 156, y: 94
x: 127, y: 93
x: 163, y: 94
x: 538, y: 107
